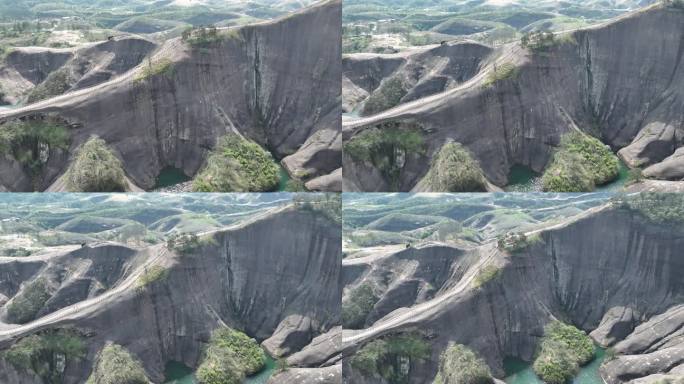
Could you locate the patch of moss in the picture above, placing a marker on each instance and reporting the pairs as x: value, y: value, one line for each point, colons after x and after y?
x: 485, y: 275
x: 46, y: 353
x: 388, y: 95
x: 562, y: 351
x: 57, y: 83
x: 453, y: 169
x: 580, y: 163
x: 386, y: 147
x: 501, y: 72
x: 115, y: 365
x: 28, y: 302
x: 30, y: 141
x: 230, y: 356
x: 356, y: 308
x: 459, y: 365
x: 95, y: 169
x: 238, y: 165
x: 387, y: 357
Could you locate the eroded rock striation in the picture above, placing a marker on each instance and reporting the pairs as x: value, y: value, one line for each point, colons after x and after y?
x: 274, y: 277
x: 610, y: 270
x: 274, y: 82
x: 511, y: 105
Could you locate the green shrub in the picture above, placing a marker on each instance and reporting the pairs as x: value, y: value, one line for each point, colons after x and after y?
x: 230, y: 356
x: 282, y: 365
x: 295, y: 185
x: 388, y: 95
x: 459, y: 365
x: 188, y: 243
x: 516, y: 242
x: 162, y: 67
x: 203, y: 37
x: 501, y: 72
x: 43, y: 352
x: 28, y: 302
x: 152, y: 274
x: 238, y: 165
x: 57, y: 83
x: 356, y: 308
x: 580, y: 163
x: 486, y: 274
x: 453, y: 169
x: 115, y: 365
x: 95, y: 169
x: 539, y: 41
x: 386, y: 147
x: 382, y: 356
x: 29, y: 141
x: 562, y: 351
x: 635, y: 176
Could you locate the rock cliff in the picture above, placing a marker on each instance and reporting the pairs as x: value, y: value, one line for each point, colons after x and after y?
x: 514, y: 104
x: 274, y: 82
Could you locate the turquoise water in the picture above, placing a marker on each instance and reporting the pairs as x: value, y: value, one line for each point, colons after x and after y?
x: 179, y: 373
x: 263, y: 376
x: 284, y: 178
x: 170, y: 176
x: 523, y: 179
x: 619, y: 183
x: 520, y: 372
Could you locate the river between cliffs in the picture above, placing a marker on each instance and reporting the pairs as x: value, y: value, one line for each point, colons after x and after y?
x: 520, y: 372
x: 178, y: 373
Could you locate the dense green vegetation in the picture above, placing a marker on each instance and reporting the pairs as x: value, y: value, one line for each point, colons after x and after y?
x: 95, y: 169
x: 115, y: 365
x: 237, y: 165
x: 501, y: 72
x: 356, y: 308
x: 580, y: 163
x: 562, y: 351
x: 57, y: 83
x: 386, y: 147
x: 459, y: 365
x: 382, y: 357
x: 230, y: 356
x: 29, y: 141
x: 46, y: 353
x: 388, y: 95
x: 28, y: 302
x: 658, y: 207
x: 453, y: 169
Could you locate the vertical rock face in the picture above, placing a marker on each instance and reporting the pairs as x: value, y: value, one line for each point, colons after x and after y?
x: 275, y: 82
x: 276, y: 278
x: 583, y: 272
x: 611, y: 80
